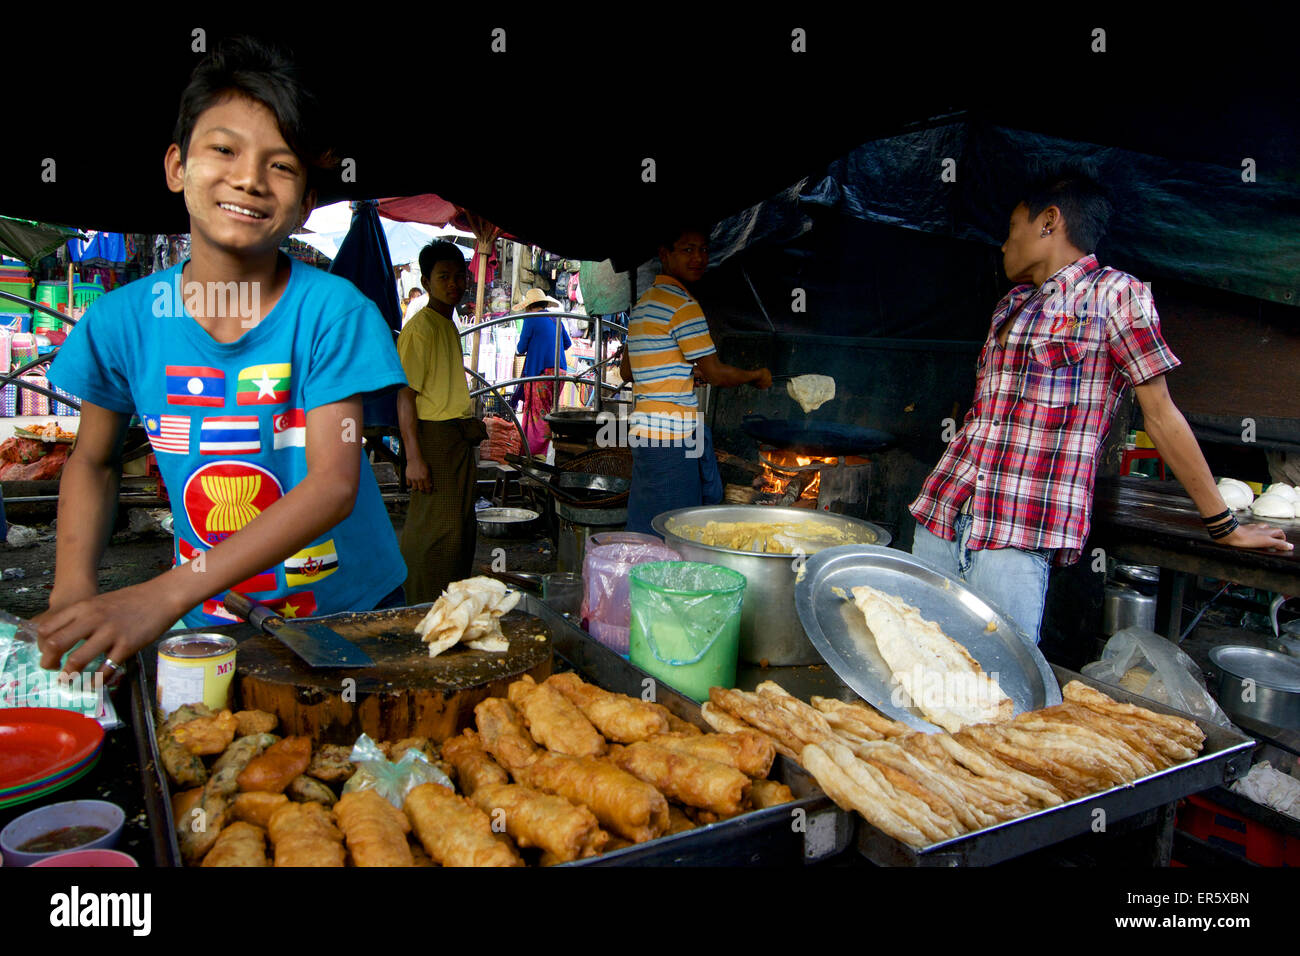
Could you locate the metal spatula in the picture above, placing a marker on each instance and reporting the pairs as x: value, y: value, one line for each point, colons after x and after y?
x: 315, y: 643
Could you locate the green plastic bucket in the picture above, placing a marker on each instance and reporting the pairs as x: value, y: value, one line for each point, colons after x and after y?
x: 686, y: 624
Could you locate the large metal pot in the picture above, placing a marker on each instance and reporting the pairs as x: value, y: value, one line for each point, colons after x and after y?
x: 1124, y: 606
x: 1258, y: 684
x: 769, y: 624
x: 507, y: 522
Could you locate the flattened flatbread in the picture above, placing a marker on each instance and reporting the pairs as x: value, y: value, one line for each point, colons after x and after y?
x: 811, y: 391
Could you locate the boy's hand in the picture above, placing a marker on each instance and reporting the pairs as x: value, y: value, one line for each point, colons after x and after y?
x: 1258, y: 536
x: 116, y: 624
x: 417, y: 475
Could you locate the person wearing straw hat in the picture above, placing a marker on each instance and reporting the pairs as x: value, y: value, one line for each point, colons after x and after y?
x: 537, y: 348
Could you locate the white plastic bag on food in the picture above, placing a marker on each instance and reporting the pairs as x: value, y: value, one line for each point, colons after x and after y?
x: 1147, y: 664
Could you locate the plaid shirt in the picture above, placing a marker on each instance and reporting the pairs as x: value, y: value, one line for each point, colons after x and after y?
x: 1026, y: 455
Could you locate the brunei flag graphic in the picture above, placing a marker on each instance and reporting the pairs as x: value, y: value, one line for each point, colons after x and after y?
x: 311, y: 565
x: 263, y: 384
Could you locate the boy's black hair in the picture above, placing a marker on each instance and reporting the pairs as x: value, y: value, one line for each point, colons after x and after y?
x: 669, y: 235
x: 265, y: 73
x: 440, y: 251
x: 1083, y: 200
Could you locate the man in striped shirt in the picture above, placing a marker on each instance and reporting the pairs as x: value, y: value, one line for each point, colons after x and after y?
x: 668, y: 343
x: 1011, y: 494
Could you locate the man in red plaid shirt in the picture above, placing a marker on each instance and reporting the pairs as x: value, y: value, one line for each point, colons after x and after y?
x: 1011, y: 495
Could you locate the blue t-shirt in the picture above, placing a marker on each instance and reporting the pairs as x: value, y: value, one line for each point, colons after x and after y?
x: 537, y: 343
x: 227, y: 422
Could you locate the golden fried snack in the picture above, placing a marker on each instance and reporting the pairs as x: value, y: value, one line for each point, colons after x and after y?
x: 331, y: 763
x: 422, y: 744
x: 849, y: 794
x: 183, y: 802
x: 257, y: 806
x: 859, y: 718
x: 184, y: 714
x: 769, y: 793
x: 199, y: 829
x: 620, y: 718
x: 183, y: 767
x: 418, y: 856
x: 1185, y: 731
x: 375, y: 830
x: 687, y: 779
x: 304, y: 836
x: 723, y: 722
x: 678, y: 822
x: 675, y: 724
x: 504, y: 735
x: 553, y: 721
x: 255, y: 722
x: 305, y: 789
x: 239, y: 844
x: 207, y: 735
x: 454, y: 831
x: 749, y: 751
x: 275, y: 769
x: 763, y: 714
x: 543, y: 820
x: 629, y: 807
x: 226, y: 771
x: 474, y: 768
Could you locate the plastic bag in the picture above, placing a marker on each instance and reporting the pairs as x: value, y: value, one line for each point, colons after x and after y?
x: 393, y: 781
x: 24, y: 683
x: 604, y: 576
x: 1147, y: 664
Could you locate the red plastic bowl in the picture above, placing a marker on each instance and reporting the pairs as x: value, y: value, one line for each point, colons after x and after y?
x: 89, y: 858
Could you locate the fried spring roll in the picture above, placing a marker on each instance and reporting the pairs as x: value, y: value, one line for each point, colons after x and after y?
x: 543, y: 820
x: 375, y: 830
x: 629, y: 807
x: 622, y: 719
x: 474, y: 768
x: 769, y: 793
x: 240, y: 844
x: 276, y: 768
x: 690, y: 780
x: 678, y: 822
x: 554, y: 721
x: 257, y: 806
x: 748, y: 751
x: 304, y: 836
x: 504, y: 735
x: 454, y: 831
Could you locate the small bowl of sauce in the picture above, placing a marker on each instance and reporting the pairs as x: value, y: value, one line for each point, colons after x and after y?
x: 60, y: 828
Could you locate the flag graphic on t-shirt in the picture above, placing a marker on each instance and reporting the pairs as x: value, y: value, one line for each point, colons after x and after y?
x: 230, y: 435
x: 258, y: 582
x: 302, y: 604
x: 311, y: 564
x: 291, y: 429
x: 195, y: 385
x: 168, y: 433
x: 263, y: 384
x: 214, y: 608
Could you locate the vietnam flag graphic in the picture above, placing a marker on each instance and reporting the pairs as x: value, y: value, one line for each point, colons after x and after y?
x: 311, y: 564
x: 290, y: 429
x: 302, y: 604
x: 264, y: 384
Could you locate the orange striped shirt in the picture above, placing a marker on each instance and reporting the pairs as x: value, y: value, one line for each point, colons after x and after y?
x: 666, y: 332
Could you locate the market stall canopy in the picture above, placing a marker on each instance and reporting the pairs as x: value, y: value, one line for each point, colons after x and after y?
x: 30, y: 241
x: 328, y: 226
x: 592, y: 138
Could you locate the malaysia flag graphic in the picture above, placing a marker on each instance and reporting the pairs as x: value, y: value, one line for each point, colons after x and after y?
x: 168, y: 433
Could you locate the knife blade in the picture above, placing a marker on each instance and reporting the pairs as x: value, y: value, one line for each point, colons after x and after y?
x: 317, y: 644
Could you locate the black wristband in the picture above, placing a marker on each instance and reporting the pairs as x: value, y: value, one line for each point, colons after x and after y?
x: 1223, y: 530
x: 1217, y: 518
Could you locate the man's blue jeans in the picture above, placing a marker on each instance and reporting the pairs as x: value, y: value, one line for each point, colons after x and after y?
x: 1013, y: 581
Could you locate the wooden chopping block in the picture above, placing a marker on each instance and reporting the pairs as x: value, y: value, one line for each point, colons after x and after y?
x: 406, y: 693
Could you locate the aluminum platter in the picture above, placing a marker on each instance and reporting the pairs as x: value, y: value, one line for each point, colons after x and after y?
x: 839, y: 632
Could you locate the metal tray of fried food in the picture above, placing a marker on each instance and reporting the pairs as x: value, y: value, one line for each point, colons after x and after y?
x: 809, y: 829
x: 832, y: 621
x: 1224, y: 757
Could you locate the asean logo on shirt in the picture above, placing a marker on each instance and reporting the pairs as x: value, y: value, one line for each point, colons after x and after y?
x: 223, y: 496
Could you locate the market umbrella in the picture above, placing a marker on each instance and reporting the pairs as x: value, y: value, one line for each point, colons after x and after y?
x: 363, y: 259
x: 31, y: 241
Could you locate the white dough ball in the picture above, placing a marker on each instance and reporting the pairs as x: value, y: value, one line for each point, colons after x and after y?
x: 1273, y: 506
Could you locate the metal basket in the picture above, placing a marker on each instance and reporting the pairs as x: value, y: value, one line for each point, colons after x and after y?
x: 615, y: 462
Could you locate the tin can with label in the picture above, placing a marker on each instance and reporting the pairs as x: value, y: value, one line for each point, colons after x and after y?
x: 193, y: 668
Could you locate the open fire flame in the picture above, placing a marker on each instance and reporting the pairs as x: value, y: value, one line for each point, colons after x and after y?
x: 775, y: 479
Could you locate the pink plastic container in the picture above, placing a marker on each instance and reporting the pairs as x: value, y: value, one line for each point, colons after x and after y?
x: 606, y: 606
x: 90, y: 858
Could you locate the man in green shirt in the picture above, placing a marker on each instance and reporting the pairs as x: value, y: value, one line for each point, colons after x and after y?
x: 439, y: 432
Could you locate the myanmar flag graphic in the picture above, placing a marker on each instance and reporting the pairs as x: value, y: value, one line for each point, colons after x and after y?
x: 264, y: 384
x: 311, y: 565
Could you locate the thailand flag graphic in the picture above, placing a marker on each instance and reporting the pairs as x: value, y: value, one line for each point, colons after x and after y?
x: 168, y: 433
x: 230, y: 435
x: 195, y: 385
x: 291, y: 429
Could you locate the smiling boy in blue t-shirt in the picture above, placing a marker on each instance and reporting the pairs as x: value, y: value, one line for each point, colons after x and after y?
x: 248, y: 370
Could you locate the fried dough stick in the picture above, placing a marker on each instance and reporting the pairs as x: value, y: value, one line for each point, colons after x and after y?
x: 621, y: 719
x: 454, y: 831
x: 763, y: 714
x: 859, y: 718
x: 532, y: 818
x: 850, y: 795
x: 375, y: 830
x: 304, y: 836
x: 749, y: 751
x: 474, y: 768
x: 240, y: 844
x: 629, y: 807
x: 687, y: 779
x: 554, y: 721
x: 503, y: 734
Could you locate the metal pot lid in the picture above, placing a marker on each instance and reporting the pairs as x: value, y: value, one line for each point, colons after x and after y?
x: 1139, y: 572
x: 839, y: 631
x: 506, y: 515
x: 1266, y: 668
